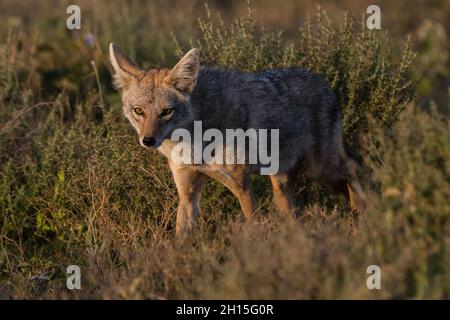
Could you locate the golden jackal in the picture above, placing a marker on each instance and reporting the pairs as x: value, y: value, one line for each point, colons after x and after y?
x: 298, y: 103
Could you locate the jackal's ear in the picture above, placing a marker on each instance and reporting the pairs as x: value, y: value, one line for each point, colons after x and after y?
x: 183, y: 76
x: 125, y: 70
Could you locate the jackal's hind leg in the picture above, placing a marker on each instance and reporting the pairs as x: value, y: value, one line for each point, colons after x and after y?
x: 355, y: 191
x: 284, y: 194
x: 357, y: 196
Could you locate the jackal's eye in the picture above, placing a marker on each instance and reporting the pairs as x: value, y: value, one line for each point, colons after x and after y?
x: 138, y: 111
x: 166, y: 112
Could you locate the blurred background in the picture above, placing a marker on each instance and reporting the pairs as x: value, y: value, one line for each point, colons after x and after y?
x: 146, y: 30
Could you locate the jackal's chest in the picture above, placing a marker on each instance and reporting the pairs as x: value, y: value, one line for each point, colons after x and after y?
x: 181, y: 152
x: 228, y: 174
x: 166, y: 148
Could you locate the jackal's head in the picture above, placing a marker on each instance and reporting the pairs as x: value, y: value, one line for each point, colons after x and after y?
x: 156, y: 102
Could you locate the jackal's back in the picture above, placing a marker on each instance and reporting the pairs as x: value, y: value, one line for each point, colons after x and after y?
x: 298, y: 102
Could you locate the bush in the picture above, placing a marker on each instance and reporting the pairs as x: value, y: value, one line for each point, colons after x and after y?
x: 356, y: 61
x: 411, y: 221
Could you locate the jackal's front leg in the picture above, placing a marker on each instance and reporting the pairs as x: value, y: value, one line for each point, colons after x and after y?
x: 239, y: 183
x: 189, y: 184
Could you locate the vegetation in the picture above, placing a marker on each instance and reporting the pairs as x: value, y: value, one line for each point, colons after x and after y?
x: 76, y: 188
x: 356, y: 61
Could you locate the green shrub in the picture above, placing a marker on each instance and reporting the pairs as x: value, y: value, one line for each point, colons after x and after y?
x: 356, y: 61
x: 411, y: 221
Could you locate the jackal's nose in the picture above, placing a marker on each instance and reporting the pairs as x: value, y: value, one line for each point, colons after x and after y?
x: 149, y: 141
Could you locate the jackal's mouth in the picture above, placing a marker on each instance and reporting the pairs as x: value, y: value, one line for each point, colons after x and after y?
x: 153, y: 145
